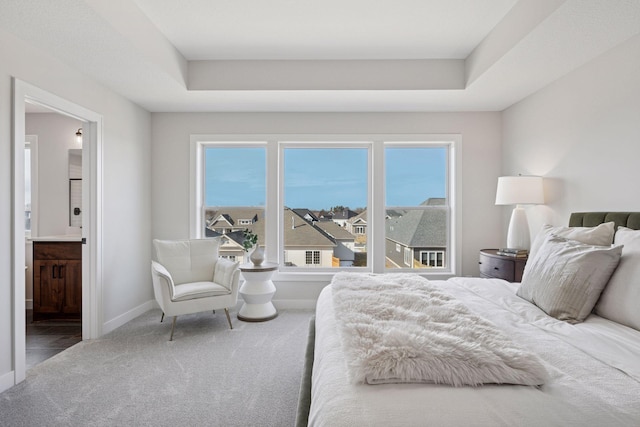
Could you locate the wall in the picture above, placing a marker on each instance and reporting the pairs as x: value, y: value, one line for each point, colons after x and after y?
x: 582, y: 133
x: 126, y: 172
x: 481, y: 146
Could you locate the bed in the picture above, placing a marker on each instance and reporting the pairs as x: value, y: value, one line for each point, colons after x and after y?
x: 591, y: 364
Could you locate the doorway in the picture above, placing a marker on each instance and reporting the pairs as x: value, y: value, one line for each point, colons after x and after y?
x: 53, y: 170
x: 91, y: 232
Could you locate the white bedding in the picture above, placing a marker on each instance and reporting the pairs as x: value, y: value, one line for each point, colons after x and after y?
x: 594, y: 370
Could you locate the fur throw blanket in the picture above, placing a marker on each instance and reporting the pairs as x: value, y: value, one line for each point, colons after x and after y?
x: 399, y: 328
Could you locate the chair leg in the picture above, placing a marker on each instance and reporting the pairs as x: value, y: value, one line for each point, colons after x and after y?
x: 173, y: 325
x: 214, y: 312
x: 226, y: 310
x: 162, y: 318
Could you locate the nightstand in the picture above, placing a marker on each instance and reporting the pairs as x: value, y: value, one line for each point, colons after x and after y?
x: 501, y: 266
x: 257, y: 291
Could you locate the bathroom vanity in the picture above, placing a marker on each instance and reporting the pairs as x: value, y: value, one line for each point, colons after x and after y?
x: 57, y: 278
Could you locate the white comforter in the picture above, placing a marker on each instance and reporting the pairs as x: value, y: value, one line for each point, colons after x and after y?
x: 594, y: 371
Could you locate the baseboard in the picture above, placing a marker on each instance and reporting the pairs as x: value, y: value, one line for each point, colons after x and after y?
x: 7, y: 381
x: 28, y: 304
x: 286, y: 304
x: 295, y: 304
x: 128, y: 316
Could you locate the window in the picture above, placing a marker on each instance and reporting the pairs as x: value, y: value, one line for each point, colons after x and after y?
x: 417, y: 203
x: 312, y: 257
x: 30, y: 185
x: 27, y: 188
x: 318, y: 204
x: 323, y: 177
x: 408, y: 257
x: 232, y: 194
x: 432, y: 258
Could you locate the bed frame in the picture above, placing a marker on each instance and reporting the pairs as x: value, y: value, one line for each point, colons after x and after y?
x: 577, y: 219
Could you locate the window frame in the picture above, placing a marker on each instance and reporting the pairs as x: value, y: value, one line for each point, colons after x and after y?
x: 375, y: 232
x: 319, y: 142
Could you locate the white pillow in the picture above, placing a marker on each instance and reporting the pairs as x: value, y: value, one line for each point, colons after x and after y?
x: 620, y: 300
x: 224, y: 271
x: 566, y: 277
x: 601, y: 235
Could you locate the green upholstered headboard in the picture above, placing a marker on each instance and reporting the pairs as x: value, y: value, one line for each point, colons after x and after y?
x: 591, y: 219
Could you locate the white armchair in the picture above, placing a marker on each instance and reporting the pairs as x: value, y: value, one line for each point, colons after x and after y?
x: 189, y: 277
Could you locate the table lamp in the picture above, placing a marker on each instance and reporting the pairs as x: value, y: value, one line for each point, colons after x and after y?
x: 519, y: 190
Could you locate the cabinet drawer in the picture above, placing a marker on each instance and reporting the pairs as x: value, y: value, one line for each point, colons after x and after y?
x: 57, y: 250
x: 496, y: 267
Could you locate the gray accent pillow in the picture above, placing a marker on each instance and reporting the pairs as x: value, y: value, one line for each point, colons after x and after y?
x: 600, y: 235
x: 620, y: 300
x: 566, y: 277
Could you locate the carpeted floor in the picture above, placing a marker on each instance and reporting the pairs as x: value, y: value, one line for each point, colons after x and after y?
x: 209, y: 375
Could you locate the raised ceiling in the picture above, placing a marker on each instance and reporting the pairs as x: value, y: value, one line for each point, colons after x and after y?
x: 333, y: 56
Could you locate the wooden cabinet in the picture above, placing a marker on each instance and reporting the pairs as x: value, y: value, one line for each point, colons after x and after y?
x: 501, y: 266
x: 57, y: 280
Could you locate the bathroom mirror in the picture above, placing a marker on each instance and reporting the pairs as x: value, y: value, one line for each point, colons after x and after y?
x: 75, y: 188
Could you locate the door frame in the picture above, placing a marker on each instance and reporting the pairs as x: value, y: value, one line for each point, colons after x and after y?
x: 91, y: 215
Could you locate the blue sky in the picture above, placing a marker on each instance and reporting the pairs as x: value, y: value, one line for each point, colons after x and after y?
x: 323, y: 178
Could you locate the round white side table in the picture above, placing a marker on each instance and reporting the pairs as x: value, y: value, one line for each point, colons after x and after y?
x: 257, y: 291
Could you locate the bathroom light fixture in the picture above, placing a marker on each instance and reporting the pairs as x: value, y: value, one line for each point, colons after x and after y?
x: 79, y: 136
x: 519, y: 190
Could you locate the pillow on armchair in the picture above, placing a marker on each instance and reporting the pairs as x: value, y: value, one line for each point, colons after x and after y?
x: 223, y: 272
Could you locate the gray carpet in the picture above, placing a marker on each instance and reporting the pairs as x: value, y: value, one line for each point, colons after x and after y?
x: 209, y: 375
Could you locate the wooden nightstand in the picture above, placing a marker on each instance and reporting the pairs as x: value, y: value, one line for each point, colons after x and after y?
x: 501, y: 266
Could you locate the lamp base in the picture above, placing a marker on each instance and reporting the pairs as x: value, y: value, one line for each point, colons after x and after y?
x: 518, y: 234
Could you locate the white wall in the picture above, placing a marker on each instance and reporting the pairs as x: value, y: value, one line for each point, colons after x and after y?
x: 126, y: 171
x: 582, y: 133
x: 56, y: 135
x: 481, y: 162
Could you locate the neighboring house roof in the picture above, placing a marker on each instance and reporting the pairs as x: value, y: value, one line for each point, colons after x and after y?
x: 361, y: 218
x: 306, y: 214
x: 420, y: 228
x: 299, y: 232
x: 344, y: 214
x: 234, y: 214
x: 334, y: 230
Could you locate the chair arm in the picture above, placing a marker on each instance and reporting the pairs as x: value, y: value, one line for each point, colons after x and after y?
x: 162, y: 282
x: 235, y: 282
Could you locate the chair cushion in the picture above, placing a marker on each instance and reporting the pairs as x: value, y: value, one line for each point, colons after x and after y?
x: 188, y: 260
x: 224, y: 271
x: 195, y: 290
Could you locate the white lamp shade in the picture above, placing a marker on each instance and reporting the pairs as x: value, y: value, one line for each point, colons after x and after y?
x: 520, y: 190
